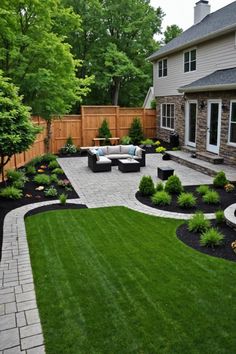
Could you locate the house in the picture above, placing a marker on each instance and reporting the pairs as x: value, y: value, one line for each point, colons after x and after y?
x: 195, y: 84
x: 149, y: 98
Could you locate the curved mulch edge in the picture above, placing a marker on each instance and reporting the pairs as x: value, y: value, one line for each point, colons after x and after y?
x: 53, y: 207
x: 225, y: 251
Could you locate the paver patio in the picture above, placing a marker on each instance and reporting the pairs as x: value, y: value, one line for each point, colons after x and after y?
x: 20, y: 329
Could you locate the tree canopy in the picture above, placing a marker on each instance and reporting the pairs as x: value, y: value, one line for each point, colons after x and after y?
x: 171, y: 32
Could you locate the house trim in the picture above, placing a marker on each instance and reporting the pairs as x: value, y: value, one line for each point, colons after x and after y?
x: 229, y: 132
x: 208, y: 88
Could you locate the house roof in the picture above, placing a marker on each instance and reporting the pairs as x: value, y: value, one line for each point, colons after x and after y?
x: 218, y: 80
x: 213, y: 25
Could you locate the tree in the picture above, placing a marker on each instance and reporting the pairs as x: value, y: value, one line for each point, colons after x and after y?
x: 34, y: 53
x: 136, y: 131
x: 104, y: 130
x: 17, y: 132
x: 171, y: 32
x: 120, y: 33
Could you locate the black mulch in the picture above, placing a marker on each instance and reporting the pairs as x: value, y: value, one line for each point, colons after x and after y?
x: 224, y: 251
x: 226, y: 199
x: 53, y: 207
x: 7, y: 205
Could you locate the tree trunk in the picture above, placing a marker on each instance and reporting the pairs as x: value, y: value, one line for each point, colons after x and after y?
x: 115, y: 91
x: 47, y: 140
x: 2, y: 164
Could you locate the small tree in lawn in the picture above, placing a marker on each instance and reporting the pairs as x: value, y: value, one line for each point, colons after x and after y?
x: 17, y: 132
x: 104, y: 130
x: 136, y: 131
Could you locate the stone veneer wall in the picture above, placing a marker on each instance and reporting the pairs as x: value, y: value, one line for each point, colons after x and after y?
x: 227, y: 151
x: 164, y: 134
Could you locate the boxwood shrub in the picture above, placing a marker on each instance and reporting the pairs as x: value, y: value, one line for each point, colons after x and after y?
x: 146, y: 186
x: 173, y: 185
x: 220, y: 179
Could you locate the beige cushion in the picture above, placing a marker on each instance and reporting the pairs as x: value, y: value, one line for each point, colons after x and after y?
x: 103, y: 160
x: 138, y: 151
x: 124, y: 149
x: 118, y: 156
x: 104, y: 149
x: 115, y: 149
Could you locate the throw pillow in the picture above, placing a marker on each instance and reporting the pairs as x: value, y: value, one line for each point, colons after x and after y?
x: 100, y: 152
x: 132, y: 150
x: 95, y: 152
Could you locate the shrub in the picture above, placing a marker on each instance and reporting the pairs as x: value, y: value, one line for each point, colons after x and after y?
x: 48, y: 158
x: 229, y: 187
x: 19, y: 184
x: 173, y: 185
x: 202, y: 189
x: 186, y: 200
x: 211, y: 237
x: 11, y: 193
x: 220, y: 179
x: 220, y: 216
x: 153, y: 104
x: 63, y: 198
x: 147, y: 142
x: 14, y: 175
x: 136, y: 131
x: 146, y: 186
x: 35, y: 161
x: 64, y: 183
x: 104, y: 130
x: 157, y: 143
x: 159, y: 187
x: 160, y: 149
x: 54, y: 178
x: 53, y: 164
x: 211, y: 197
x: 161, y: 198
x: 50, y: 192
x: 58, y: 171
x: 125, y: 140
x: 42, y: 179
x: 198, y: 223
x: 30, y: 170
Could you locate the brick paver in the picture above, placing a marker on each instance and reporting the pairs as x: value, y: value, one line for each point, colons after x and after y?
x: 20, y: 328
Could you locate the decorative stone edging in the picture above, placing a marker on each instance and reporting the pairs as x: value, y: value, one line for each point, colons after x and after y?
x: 230, y: 215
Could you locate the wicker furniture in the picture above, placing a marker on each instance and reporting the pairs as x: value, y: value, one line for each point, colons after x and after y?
x: 128, y: 165
x: 164, y: 172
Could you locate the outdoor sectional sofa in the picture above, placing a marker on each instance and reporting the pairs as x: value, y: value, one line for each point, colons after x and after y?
x: 102, y: 158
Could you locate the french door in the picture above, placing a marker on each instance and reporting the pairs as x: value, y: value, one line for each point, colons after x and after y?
x: 191, y: 123
x: 213, y: 126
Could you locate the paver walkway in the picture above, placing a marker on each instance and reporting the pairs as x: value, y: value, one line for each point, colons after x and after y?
x: 20, y: 329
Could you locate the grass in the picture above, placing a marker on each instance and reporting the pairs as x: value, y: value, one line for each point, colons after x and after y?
x: 114, y: 281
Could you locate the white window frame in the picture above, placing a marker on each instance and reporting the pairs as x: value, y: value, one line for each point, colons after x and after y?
x: 230, y: 113
x: 162, y: 71
x: 162, y: 126
x: 189, y: 51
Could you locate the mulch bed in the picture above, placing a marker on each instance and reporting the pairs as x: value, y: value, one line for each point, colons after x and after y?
x: 192, y: 240
x: 7, y: 205
x: 54, y: 207
x: 226, y: 199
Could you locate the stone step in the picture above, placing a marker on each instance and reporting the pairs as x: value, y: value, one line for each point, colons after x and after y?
x: 187, y: 148
x: 212, y: 158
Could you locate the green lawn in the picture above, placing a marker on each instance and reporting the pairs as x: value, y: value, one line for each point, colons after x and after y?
x: 112, y: 280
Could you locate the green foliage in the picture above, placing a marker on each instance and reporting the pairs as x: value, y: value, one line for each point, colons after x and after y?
x: 171, y: 32
x: 30, y: 170
x: 42, y: 179
x: 160, y: 149
x: 53, y: 164
x: 35, y: 161
x: 54, y: 178
x: 14, y: 175
x: 159, y: 187
x: 19, y: 184
x: 17, y: 132
x: 198, y: 223
x: 136, y: 131
x: 11, y: 193
x: 63, y: 198
x: 125, y: 140
x: 69, y: 141
x: 147, y: 142
x: 64, y: 183
x: 146, y: 186
x: 220, y: 179
x: 69, y: 147
x: 211, y: 238
x: 173, y: 185
x: 104, y: 131
x: 211, y: 197
x: 229, y: 187
x: 186, y: 200
x: 153, y: 104
x: 220, y: 216
x: 50, y: 192
x: 47, y: 158
x: 202, y: 189
x: 161, y: 198
x: 58, y: 171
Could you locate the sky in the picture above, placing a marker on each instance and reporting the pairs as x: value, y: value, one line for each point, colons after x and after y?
x: 180, y: 12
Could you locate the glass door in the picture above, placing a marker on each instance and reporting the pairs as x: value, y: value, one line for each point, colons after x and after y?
x: 191, y: 122
x: 213, y: 126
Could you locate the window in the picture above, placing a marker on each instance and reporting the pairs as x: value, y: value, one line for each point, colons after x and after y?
x: 232, y: 126
x: 168, y: 116
x: 162, y: 66
x: 190, y: 60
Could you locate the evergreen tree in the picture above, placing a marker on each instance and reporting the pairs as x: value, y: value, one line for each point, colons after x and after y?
x: 136, y: 131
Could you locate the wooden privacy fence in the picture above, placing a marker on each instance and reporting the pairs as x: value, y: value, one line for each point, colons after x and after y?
x: 83, y: 128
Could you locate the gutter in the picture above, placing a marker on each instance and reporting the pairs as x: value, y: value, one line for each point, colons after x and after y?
x: 220, y: 32
x: 219, y: 87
